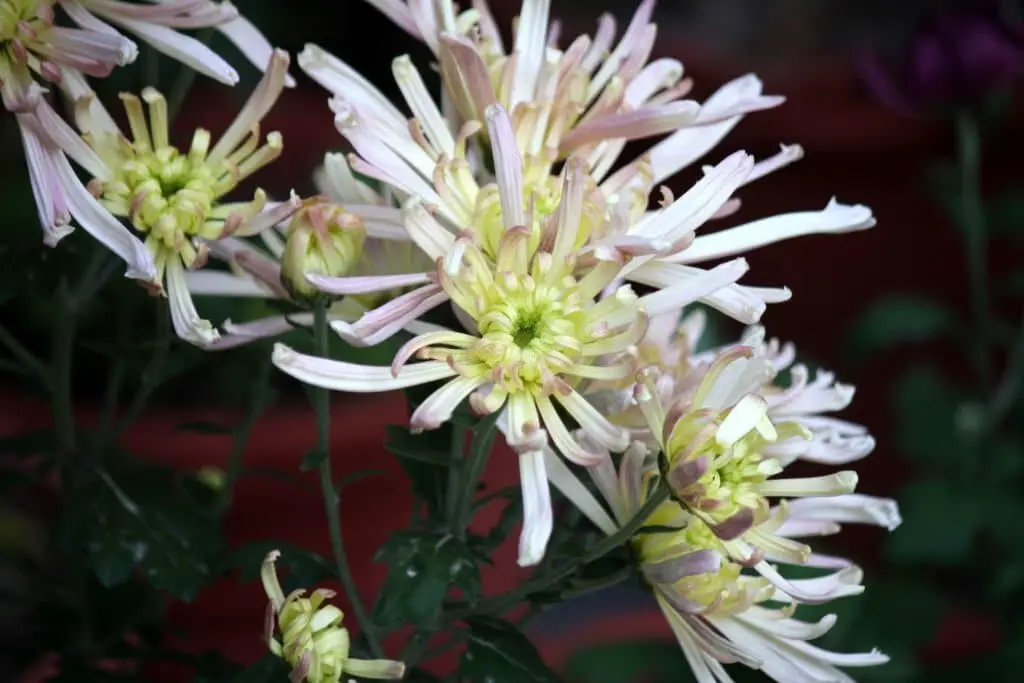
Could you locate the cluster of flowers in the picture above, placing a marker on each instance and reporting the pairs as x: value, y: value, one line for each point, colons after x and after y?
x: 507, y: 200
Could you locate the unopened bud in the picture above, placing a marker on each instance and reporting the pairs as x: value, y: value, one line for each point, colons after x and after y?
x: 323, y: 239
x: 312, y: 640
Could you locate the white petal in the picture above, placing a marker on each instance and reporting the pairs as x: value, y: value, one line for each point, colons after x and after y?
x: 848, y: 508
x: 572, y: 488
x: 99, y: 223
x: 185, y: 49
x: 342, y: 376
x: 253, y: 45
x: 187, y: 323
x: 219, y: 283
x: 437, y: 408
x: 834, y: 219
x: 538, y: 517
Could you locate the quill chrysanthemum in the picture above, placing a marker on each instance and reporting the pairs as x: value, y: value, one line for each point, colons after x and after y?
x: 312, y: 640
x: 174, y: 199
x: 720, y: 611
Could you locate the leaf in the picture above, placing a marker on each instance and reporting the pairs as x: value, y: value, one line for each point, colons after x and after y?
x: 298, y: 567
x: 268, y: 669
x: 425, y: 459
x: 897, y: 320
x: 929, y: 428
x: 423, y: 568
x: 940, y: 523
x: 133, y: 518
x: 497, y: 652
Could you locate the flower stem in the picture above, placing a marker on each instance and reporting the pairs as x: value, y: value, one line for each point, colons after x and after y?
x: 258, y: 401
x: 975, y: 241
x: 321, y: 400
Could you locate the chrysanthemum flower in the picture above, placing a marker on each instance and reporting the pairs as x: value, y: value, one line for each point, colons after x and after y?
x: 535, y: 327
x: 312, y: 640
x: 174, y: 199
x: 715, y: 607
x: 421, y: 157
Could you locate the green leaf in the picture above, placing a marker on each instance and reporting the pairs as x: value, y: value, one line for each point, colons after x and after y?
x: 940, y: 523
x: 268, y: 669
x: 930, y: 428
x: 499, y: 652
x: 298, y: 567
x: 423, y: 568
x: 897, y: 320
x: 139, y: 516
x: 425, y: 459
x: 648, y: 660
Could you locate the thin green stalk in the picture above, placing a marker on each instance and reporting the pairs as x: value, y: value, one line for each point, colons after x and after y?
x: 62, y: 352
x: 322, y: 406
x: 453, y: 491
x: 1009, y: 387
x: 473, y: 468
x: 258, y: 401
x: 151, y: 375
x: 501, y: 603
x: 975, y: 243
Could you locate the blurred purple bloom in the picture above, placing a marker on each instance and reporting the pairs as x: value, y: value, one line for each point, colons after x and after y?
x: 958, y: 57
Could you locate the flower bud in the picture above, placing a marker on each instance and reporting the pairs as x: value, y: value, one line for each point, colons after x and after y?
x: 324, y: 239
x: 313, y: 641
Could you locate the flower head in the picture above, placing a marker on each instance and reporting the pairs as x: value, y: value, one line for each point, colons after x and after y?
x: 719, y: 610
x: 312, y: 639
x: 174, y: 199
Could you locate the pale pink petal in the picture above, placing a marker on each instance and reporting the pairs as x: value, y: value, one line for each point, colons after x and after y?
x: 188, y: 325
x: 253, y: 45
x: 538, y: 517
x: 342, y: 376
x: 365, y: 284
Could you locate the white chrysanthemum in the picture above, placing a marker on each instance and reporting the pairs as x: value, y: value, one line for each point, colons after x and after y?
x: 171, y: 198
x: 713, y: 606
x: 535, y: 328
x: 422, y: 157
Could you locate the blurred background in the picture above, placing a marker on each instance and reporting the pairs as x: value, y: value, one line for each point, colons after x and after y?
x: 908, y: 107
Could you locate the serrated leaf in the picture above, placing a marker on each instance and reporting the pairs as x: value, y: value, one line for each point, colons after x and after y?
x: 132, y: 517
x: 897, y: 320
x: 423, y: 568
x: 498, y: 652
x: 940, y: 523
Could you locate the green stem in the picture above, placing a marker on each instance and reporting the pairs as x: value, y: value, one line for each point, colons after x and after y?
x: 258, y: 401
x: 474, y: 470
x: 1009, y: 387
x: 151, y: 375
x: 500, y: 604
x: 453, y: 491
x: 975, y: 242
x: 62, y: 352
x: 321, y: 400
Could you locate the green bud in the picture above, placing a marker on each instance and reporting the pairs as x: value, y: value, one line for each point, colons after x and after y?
x: 323, y: 239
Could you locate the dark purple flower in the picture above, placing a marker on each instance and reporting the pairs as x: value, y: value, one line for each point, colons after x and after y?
x: 958, y: 57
